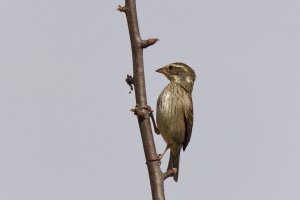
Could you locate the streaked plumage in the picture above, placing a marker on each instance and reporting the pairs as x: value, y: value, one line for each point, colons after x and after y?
x: 174, y: 112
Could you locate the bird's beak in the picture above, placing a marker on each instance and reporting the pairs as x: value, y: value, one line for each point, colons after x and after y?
x: 161, y: 70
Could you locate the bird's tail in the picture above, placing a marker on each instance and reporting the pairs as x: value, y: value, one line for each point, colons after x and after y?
x: 174, y: 162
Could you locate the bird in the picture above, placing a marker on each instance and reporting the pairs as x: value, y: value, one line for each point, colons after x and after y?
x: 174, y: 111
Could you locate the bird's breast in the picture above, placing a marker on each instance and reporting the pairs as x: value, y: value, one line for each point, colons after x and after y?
x: 170, y: 114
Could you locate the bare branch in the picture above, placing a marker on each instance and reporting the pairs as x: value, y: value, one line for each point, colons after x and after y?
x: 142, y: 110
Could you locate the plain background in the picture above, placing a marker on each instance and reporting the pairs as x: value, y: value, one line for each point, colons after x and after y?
x: 65, y: 127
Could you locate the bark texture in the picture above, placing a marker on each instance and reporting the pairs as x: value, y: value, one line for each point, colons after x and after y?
x: 142, y: 110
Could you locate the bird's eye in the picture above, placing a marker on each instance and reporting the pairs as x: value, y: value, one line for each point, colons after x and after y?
x: 170, y: 67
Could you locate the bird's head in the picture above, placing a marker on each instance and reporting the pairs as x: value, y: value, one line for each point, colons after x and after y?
x: 179, y: 73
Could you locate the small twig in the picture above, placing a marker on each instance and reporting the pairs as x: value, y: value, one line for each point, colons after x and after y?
x: 149, y: 42
x: 170, y: 173
x: 121, y: 8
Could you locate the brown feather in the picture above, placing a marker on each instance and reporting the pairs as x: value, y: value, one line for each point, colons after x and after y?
x: 174, y: 112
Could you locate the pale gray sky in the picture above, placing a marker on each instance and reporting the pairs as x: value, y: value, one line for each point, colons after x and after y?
x: 65, y: 127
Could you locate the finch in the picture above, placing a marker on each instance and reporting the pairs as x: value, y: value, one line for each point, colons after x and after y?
x: 174, y: 110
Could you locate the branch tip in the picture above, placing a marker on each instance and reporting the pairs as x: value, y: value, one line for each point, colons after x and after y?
x: 121, y: 8
x: 149, y: 42
x: 169, y: 173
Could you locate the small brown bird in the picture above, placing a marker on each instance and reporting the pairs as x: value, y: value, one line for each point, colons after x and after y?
x: 174, y: 110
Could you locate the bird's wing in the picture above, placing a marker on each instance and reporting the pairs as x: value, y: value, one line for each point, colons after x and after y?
x: 188, y: 120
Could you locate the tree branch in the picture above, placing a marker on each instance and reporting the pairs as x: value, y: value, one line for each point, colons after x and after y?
x: 142, y: 108
x: 171, y: 172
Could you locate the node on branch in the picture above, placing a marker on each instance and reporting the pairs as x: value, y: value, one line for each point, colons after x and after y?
x: 121, y: 8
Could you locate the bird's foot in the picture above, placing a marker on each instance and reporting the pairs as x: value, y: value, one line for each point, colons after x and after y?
x: 138, y: 111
